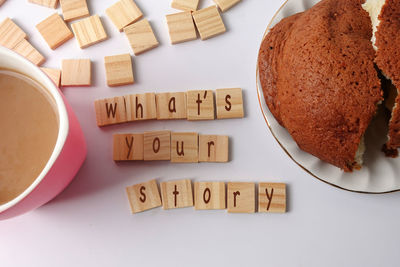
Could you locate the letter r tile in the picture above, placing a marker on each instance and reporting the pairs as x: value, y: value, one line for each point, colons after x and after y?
x: 241, y: 197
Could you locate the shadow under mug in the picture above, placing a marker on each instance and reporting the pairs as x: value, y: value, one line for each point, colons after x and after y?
x: 69, y: 151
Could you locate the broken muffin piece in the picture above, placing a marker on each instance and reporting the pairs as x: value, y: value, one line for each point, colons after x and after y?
x: 319, y: 80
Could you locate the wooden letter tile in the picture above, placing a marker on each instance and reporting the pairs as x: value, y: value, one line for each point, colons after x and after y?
x: 54, y: 75
x: 171, y: 106
x: 272, y: 197
x: 89, y: 31
x: 184, y: 147
x: 185, y: 5
x: 157, y: 145
x: 54, y: 31
x: 241, y: 197
x: 144, y: 196
x: 229, y: 103
x: 46, y: 3
x: 25, y: 49
x: 111, y: 110
x: 209, y: 22
x: 119, y: 70
x: 123, y: 13
x: 177, y: 194
x: 226, y: 4
x: 200, y: 105
x: 213, y: 148
x: 181, y: 27
x: 10, y: 33
x: 128, y: 147
x: 74, y: 9
x: 209, y: 196
x: 143, y: 107
x: 76, y: 72
x: 141, y: 36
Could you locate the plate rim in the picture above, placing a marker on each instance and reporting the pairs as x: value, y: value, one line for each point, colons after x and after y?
x: 258, y: 86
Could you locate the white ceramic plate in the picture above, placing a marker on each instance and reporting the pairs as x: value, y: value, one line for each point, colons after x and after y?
x: 379, y: 173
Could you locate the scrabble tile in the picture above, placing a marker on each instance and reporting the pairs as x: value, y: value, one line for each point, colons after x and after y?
x: 141, y: 36
x: 46, y: 3
x: 128, y: 147
x: 176, y: 194
x: 74, y: 9
x: 89, y: 31
x: 119, y: 70
x: 185, y: 5
x: 10, y: 33
x: 54, y: 75
x: 157, y: 145
x: 144, y: 196
x: 143, y: 107
x: 123, y: 13
x: 200, y: 105
x: 25, y: 49
x: 241, y: 197
x: 76, y: 72
x: 184, y: 147
x: 272, y: 197
x: 208, y: 22
x: 181, y: 27
x: 111, y: 110
x: 213, y: 148
x: 224, y: 5
x: 54, y: 31
x: 229, y: 103
x: 209, y: 196
x: 171, y: 106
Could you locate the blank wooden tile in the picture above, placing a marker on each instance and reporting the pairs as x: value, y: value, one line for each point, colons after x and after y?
x: 54, y: 31
x: 74, y: 9
x: 229, y: 103
x: 171, y: 106
x: 119, y: 70
x: 76, y: 72
x: 213, y: 148
x: 143, y: 107
x: 208, y: 22
x: 176, y: 194
x: 46, y: 3
x: 123, y: 13
x: 272, y: 197
x: 111, y: 110
x: 25, y: 49
x: 144, y: 196
x: 128, y: 147
x: 209, y: 196
x: 11, y: 34
x: 141, y: 36
x: 200, y: 105
x: 181, y: 27
x: 89, y: 31
x: 184, y: 147
x: 185, y: 5
x: 54, y: 75
x: 224, y: 5
x: 157, y: 145
x: 241, y: 197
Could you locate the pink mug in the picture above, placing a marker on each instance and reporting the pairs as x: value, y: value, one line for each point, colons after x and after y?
x: 69, y: 152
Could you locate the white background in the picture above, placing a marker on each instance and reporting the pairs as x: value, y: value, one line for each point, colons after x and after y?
x: 90, y: 223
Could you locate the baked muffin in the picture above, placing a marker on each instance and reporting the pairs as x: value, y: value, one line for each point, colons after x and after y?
x: 385, y: 17
x: 318, y: 77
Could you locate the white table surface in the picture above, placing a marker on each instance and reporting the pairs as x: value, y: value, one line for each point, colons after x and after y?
x: 90, y: 223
